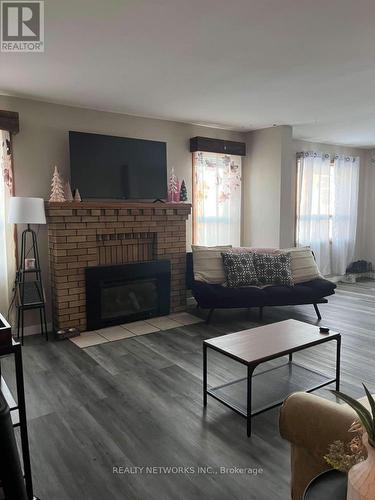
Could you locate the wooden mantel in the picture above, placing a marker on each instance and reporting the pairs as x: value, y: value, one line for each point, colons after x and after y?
x: 115, y: 205
x: 94, y: 233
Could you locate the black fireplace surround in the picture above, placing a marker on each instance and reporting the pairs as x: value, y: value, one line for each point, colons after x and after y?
x: 127, y: 292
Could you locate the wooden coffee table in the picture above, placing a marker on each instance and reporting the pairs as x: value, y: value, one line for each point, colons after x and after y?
x: 258, y: 345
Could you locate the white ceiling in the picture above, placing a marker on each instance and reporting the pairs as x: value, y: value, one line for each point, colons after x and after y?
x: 240, y: 64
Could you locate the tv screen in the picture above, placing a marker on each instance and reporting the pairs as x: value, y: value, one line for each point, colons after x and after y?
x: 107, y: 167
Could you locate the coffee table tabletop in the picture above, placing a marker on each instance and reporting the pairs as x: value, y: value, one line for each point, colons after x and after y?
x: 266, y: 342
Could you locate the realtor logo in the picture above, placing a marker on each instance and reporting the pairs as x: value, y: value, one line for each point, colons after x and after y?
x: 22, y: 26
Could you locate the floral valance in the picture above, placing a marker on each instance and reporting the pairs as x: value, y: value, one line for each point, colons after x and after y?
x: 332, y: 157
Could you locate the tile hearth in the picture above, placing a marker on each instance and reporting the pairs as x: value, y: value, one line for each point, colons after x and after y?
x: 120, y: 332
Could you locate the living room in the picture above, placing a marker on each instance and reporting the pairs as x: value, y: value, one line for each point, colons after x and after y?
x: 187, y: 250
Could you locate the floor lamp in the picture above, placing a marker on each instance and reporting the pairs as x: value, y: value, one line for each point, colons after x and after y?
x: 29, y: 287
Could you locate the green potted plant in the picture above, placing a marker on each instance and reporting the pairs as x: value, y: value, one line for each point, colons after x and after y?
x: 361, y: 477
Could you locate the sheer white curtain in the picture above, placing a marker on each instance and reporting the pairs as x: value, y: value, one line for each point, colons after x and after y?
x: 345, y: 208
x: 216, y: 199
x: 313, y: 206
x: 327, y: 208
x: 7, y: 244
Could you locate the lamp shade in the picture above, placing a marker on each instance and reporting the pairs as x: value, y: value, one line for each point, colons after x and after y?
x: 26, y: 210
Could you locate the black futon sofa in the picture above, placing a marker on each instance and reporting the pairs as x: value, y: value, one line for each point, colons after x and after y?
x: 213, y: 297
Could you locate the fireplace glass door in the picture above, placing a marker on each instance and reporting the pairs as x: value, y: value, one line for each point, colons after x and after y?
x: 129, y: 298
x: 127, y: 292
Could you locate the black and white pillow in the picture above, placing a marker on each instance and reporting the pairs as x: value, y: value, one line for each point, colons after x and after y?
x: 274, y: 269
x: 239, y: 269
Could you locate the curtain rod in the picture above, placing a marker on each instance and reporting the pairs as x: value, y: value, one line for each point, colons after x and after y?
x: 319, y: 154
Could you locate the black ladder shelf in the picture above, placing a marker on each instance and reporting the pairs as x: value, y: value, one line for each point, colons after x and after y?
x: 30, y: 295
x: 29, y: 286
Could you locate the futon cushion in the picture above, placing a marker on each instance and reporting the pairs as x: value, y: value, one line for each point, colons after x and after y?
x: 273, y: 269
x: 208, y: 264
x: 239, y: 269
x: 215, y: 296
x: 319, y: 287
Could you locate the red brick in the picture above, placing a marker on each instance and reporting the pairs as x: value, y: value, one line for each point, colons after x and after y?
x: 75, y: 236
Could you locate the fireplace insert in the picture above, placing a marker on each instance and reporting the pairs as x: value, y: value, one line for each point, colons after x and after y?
x: 127, y: 292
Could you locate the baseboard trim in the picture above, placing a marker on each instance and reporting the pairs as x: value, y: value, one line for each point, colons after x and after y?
x: 32, y: 329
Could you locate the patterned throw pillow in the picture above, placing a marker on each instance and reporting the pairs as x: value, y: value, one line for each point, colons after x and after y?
x: 274, y: 269
x: 239, y: 269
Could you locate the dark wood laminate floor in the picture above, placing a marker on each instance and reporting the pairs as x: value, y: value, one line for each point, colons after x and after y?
x: 138, y: 402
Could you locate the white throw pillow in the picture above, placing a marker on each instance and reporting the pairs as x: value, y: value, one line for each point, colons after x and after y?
x: 208, y: 263
x: 304, y: 267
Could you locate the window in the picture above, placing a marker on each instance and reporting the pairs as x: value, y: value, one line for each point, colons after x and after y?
x: 322, y: 201
x: 327, y: 199
x: 216, y: 199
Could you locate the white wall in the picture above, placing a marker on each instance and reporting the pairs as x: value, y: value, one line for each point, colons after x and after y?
x: 287, y: 189
x: 261, y: 188
x: 368, y: 252
x: 268, y: 205
x: 43, y: 142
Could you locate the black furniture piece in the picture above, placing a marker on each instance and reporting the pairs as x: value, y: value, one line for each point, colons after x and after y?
x: 258, y: 345
x: 11, y: 477
x: 15, y: 410
x: 330, y: 484
x: 29, y: 286
x: 213, y: 297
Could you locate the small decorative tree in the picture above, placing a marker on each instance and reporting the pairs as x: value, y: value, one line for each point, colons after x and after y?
x: 68, y: 192
x: 173, y: 187
x: 57, y: 187
x: 183, y: 192
x: 77, y: 196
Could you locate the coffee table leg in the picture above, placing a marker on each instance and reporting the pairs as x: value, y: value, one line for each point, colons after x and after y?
x: 204, y: 375
x: 250, y: 371
x: 338, y: 362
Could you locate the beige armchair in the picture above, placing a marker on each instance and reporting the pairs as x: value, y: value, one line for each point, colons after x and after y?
x: 311, y: 424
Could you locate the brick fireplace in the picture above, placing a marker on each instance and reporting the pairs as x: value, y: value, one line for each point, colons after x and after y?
x: 87, y: 234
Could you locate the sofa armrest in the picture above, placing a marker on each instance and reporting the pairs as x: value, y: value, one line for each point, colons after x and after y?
x: 313, y: 423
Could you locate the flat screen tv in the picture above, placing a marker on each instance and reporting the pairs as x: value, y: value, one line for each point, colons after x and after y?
x: 107, y: 167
